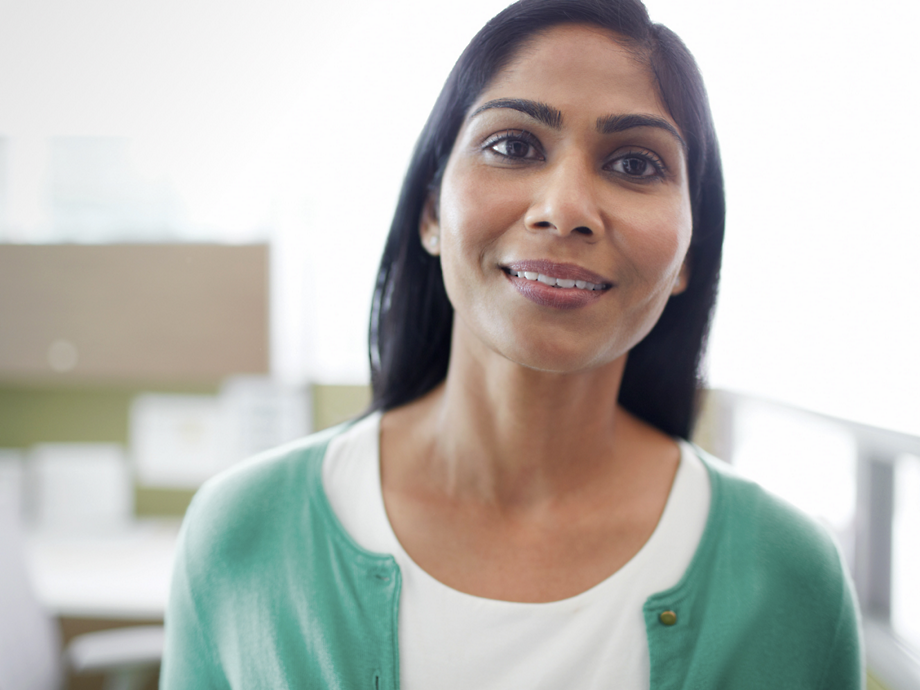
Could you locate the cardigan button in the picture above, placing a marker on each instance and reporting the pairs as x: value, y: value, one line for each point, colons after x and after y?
x: 668, y: 617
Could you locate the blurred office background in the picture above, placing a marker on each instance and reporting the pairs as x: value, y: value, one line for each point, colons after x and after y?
x: 194, y: 197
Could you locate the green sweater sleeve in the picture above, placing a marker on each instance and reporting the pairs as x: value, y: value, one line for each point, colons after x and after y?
x: 844, y: 669
x: 269, y: 591
x: 189, y: 658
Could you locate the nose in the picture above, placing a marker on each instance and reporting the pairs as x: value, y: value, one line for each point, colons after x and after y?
x: 565, y: 200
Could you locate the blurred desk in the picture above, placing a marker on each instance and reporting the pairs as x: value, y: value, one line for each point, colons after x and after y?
x: 120, y: 574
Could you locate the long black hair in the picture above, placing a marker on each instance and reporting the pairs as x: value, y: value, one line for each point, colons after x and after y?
x: 411, y: 316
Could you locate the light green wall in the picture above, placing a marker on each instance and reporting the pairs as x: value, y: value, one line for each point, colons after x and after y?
x: 31, y: 414
x: 873, y: 683
x: 335, y: 404
x: 155, y: 502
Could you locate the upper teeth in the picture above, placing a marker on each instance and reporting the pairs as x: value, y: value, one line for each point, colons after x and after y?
x: 558, y: 282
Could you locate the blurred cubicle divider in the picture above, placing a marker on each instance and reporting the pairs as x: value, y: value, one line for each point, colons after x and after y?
x: 86, y: 329
x: 157, y: 354
x: 132, y: 314
x: 160, y: 350
x: 85, y: 332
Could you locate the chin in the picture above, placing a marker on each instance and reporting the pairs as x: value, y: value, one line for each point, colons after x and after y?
x: 561, y: 359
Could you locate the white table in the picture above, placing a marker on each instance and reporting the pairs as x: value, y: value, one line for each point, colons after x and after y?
x: 120, y: 574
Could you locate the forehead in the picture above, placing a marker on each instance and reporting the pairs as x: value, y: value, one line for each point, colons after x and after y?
x: 579, y: 68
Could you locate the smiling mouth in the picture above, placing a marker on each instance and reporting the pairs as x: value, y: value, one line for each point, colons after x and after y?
x: 558, y: 282
x: 556, y: 285
x: 564, y: 276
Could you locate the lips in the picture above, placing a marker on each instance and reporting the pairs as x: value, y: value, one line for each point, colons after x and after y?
x: 558, y: 271
x: 557, y: 282
x: 550, y: 284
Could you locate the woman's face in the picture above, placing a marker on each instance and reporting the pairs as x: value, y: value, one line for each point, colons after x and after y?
x: 567, y: 171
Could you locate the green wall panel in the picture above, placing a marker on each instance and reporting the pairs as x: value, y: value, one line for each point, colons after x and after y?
x: 33, y: 414
x: 150, y: 501
x: 30, y: 415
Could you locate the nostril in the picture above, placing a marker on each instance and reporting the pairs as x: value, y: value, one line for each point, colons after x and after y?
x: 584, y: 230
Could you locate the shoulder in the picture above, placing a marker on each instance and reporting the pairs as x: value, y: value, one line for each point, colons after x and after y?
x: 758, y: 530
x: 258, y: 504
x: 267, y: 584
x: 790, y: 577
x: 767, y: 596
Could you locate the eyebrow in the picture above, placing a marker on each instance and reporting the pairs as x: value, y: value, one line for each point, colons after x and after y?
x: 619, y: 123
x: 552, y: 117
x: 542, y: 112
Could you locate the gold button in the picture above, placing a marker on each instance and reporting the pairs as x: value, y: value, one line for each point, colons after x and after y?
x: 668, y: 617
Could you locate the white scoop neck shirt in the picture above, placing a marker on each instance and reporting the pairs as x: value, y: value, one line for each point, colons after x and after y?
x: 450, y: 640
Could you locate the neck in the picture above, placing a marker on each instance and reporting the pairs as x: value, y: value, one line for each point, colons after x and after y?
x: 502, y: 433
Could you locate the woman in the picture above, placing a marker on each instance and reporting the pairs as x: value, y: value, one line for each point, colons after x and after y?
x: 520, y: 508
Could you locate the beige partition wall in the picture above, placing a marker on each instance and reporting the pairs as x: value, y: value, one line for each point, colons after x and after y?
x: 132, y: 313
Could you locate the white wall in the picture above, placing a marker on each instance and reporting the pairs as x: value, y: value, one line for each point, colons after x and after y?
x: 816, y: 105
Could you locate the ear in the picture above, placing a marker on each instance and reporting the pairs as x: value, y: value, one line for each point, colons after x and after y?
x: 429, y: 227
x: 683, y: 277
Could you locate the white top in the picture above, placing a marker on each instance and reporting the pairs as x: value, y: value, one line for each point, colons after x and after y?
x: 455, y: 641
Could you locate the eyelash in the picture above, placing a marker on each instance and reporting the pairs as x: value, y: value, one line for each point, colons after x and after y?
x: 512, y: 135
x: 523, y: 136
x: 647, y: 156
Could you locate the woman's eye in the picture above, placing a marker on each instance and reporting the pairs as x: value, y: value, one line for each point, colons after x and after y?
x: 636, y: 166
x: 516, y: 147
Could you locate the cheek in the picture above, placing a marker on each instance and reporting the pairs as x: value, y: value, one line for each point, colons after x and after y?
x: 475, y: 202
x: 474, y: 212
x: 659, y: 240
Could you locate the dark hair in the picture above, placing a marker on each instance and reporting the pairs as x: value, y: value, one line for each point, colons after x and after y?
x: 411, y: 317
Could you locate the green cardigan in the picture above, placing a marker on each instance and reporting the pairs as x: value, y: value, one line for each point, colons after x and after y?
x: 269, y: 591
